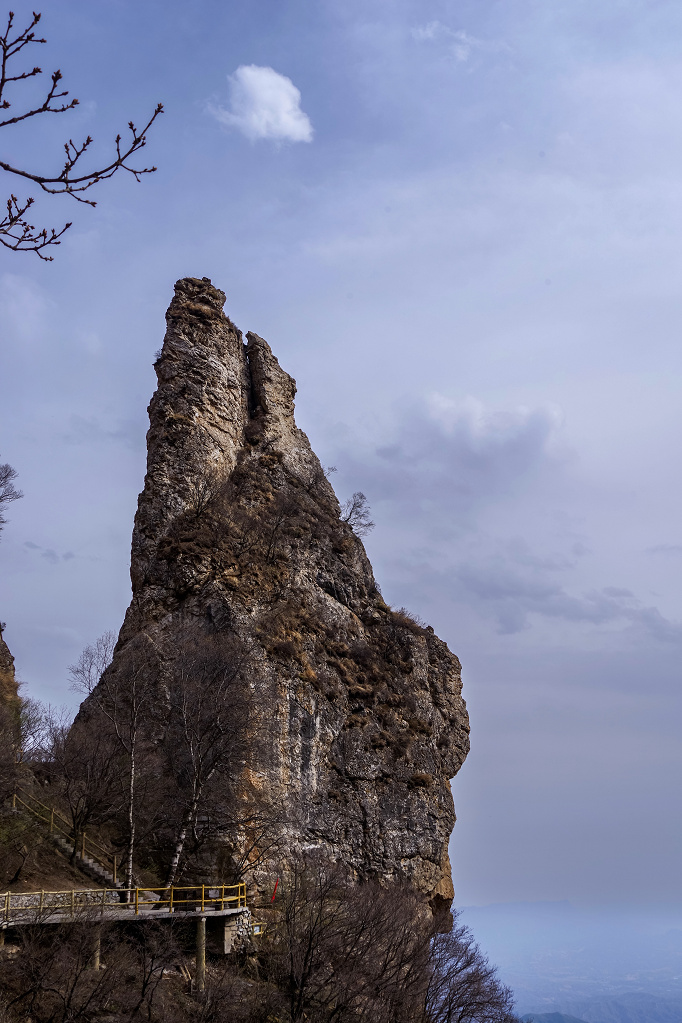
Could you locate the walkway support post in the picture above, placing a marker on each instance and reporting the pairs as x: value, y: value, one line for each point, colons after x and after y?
x: 201, y: 954
x: 96, y: 950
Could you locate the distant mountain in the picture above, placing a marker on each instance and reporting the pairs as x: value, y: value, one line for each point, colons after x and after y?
x: 551, y: 1017
x: 628, y: 1008
x: 617, y: 964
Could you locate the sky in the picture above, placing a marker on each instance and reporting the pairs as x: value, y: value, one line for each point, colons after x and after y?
x: 615, y: 963
x: 458, y: 225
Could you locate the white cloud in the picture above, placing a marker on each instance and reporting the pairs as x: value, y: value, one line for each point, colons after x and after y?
x: 264, y: 104
x: 424, y: 33
x: 460, y: 42
x: 484, y: 431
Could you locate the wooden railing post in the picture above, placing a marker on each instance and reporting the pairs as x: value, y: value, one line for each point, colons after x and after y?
x: 170, y: 900
x: 203, y: 889
x: 137, y: 892
x: 115, y: 879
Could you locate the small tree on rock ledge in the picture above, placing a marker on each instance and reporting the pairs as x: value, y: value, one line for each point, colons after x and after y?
x: 8, y: 492
x: 355, y: 511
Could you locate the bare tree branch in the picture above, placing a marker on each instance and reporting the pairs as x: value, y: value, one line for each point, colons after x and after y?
x: 92, y: 663
x: 8, y: 492
x: 16, y: 233
x: 355, y: 511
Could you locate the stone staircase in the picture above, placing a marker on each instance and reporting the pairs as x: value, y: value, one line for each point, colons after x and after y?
x: 97, y: 871
x: 87, y: 864
x: 58, y: 828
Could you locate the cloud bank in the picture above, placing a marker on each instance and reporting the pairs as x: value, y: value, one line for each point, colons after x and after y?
x: 466, y: 498
x: 264, y: 104
x: 454, y: 454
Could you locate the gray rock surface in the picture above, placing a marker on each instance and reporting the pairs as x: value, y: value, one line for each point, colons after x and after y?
x: 9, y: 689
x: 358, y: 708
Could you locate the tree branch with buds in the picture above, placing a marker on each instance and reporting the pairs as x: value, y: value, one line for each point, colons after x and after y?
x: 16, y: 232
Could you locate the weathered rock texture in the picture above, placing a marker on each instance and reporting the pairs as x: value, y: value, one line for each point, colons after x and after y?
x: 9, y: 690
x: 238, y: 530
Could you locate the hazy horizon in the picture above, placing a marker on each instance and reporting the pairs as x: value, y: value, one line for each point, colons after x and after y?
x: 455, y: 223
x: 558, y: 957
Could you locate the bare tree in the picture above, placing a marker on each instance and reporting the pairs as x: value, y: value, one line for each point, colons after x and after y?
x: 32, y: 723
x: 124, y: 695
x: 9, y: 745
x: 22, y: 737
x: 204, y: 487
x: 52, y: 979
x: 248, y: 835
x: 92, y: 663
x: 345, y: 952
x: 21, y: 838
x: 463, y: 986
x: 355, y: 511
x: 22, y: 725
x: 85, y: 760
x: 8, y: 492
x: 16, y: 232
x: 206, y: 731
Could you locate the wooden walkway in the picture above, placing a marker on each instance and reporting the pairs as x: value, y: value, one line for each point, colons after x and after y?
x: 19, y: 909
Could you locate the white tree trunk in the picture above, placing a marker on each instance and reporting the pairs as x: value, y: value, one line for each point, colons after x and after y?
x: 131, y: 825
x: 180, y: 840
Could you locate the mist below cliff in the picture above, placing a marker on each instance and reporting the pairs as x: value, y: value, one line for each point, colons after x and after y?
x: 615, y: 964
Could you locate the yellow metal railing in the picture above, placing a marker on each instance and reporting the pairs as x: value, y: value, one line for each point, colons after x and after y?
x: 57, y: 823
x: 23, y: 906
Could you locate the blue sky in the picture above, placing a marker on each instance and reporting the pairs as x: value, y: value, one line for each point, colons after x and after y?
x: 458, y: 225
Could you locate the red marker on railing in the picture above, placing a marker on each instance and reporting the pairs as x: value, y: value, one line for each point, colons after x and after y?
x: 274, y: 891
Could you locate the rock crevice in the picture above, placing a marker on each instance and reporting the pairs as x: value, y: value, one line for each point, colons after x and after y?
x: 358, y: 707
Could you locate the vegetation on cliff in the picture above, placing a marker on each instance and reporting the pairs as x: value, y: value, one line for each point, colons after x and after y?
x: 333, y: 953
x: 264, y: 716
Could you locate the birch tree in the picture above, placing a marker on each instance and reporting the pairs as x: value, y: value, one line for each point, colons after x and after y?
x: 206, y: 735
x: 125, y: 695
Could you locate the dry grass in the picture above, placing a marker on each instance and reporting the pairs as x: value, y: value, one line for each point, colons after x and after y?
x: 50, y: 871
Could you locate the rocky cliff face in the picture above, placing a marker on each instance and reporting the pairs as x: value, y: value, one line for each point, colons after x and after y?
x: 9, y: 690
x: 357, y: 708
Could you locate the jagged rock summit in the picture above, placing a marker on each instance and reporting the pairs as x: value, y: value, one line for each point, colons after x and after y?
x: 357, y: 708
